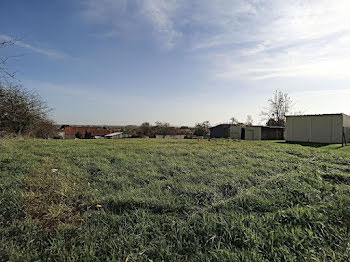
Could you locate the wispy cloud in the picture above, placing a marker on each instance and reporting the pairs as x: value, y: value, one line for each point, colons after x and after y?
x: 283, y: 39
x: 162, y: 14
x: 47, y: 52
x: 134, y: 16
x: 249, y: 39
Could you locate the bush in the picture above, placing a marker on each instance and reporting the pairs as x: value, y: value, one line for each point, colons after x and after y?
x: 23, y: 112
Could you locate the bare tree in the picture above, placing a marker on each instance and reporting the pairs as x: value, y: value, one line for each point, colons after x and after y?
x: 5, y: 72
x: 279, y: 105
x: 234, y: 120
x: 249, y: 121
x: 44, y: 128
x: 22, y: 112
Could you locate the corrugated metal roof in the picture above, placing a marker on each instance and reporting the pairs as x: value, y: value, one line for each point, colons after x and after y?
x: 335, y: 114
x: 221, y: 125
x: 281, y: 127
x: 229, y: 125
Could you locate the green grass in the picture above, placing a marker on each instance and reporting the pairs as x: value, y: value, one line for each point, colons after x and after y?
x: 167, y: 200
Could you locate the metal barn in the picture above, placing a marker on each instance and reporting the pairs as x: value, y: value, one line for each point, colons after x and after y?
x: 226, y: 131
x: 247, y: 132
x: 220, y: 131
x: 327, y: 128
x: 235, y: 132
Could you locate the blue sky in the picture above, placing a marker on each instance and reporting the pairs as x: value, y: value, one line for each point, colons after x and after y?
x: 183, y: 62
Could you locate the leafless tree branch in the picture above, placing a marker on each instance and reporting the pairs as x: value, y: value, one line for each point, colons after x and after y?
x: 279, y: 105
x: 5, y: 72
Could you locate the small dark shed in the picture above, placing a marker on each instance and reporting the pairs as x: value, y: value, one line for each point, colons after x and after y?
x: 220, y: 131
x: 272, y: 133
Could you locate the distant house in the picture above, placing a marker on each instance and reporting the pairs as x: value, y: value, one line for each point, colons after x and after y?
x: 72, y: 132
x: 247, y: 132
x: 326, y: 128
x: 116, y: 135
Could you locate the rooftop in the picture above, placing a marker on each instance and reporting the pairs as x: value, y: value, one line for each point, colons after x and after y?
x: 114, y: 134
x: 72, y: 130
x: 247, y: 126
x: 335, y: 114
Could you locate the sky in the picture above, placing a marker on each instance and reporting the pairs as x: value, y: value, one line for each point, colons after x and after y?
x: 119, y: 62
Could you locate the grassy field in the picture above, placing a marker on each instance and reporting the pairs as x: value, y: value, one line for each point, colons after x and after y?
x: 154, y: 200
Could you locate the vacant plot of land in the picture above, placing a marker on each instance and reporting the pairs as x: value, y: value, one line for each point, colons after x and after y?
x: 142, y: 200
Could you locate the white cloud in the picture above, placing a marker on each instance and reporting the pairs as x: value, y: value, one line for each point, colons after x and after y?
x: 47, y: 52
x: 251, y: 39
x: 160, y: 13
x: 288, y: 39
x: 133, y: 16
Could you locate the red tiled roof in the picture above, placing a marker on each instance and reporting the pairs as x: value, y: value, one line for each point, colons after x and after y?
x: 72, y: 130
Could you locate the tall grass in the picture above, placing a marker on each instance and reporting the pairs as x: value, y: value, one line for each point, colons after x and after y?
x: 166, y: 200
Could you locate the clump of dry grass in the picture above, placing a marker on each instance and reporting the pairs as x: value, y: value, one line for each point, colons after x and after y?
x: 54, y: 200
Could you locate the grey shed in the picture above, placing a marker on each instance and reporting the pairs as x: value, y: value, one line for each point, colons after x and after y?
x: 326, y: 128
